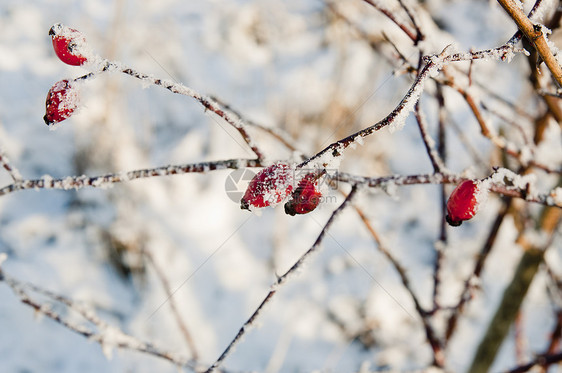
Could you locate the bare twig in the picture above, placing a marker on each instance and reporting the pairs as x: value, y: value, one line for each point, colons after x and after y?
x: 107, y: 336
x: 282, y: 280
x: 541, y: 360
x: 171, y: 301
x: 375, y: 4
x: 207, y: 102
x: 429, y: 143
x: 14, y: 172
x: 433, y: 340
x: 441, y: 244
x: 397, y: 117
x: 478, y: 266
x: 443, y: 178
x: 516, y: 291
x: 497, y: 140
x: 79, y: 182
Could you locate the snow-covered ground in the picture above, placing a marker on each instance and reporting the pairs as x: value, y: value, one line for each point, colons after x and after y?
x: 291, y: 65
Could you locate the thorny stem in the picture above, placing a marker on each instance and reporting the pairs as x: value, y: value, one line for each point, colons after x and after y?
x: 282, y: 280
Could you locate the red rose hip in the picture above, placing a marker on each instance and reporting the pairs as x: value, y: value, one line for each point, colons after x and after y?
x: 68, y: 44
x: 61, y: 102
x: 305, y: 198
x: 464, y: 202
x: 269, y: 187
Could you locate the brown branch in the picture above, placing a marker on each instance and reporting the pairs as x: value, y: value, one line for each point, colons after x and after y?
x: 534, y: 33
x: 541, y: 360
x: 391, y: 16
x: 497, y: 140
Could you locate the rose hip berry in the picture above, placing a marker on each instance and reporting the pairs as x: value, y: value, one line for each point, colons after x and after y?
x: 463, y: 203
x: 305, y: 198
x: 269, y: 187
x: 67, y: 43
x: 61, y: 102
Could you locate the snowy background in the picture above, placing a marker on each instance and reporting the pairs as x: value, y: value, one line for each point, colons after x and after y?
x: 293, y: 65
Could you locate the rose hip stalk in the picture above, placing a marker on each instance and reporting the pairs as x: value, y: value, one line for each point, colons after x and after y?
x: 269, y: 187
x: 61, y: 102
x: 305, y: 198
x: 69, y: 44
x: 464, y: 202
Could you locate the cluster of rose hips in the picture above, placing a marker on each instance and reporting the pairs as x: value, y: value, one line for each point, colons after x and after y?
x: 274, y: 184
x: 62, y: 99
x: 271, y: 185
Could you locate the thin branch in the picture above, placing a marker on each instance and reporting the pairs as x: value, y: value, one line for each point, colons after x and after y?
x: 515, y: 292
x: 442, y: 152
x: 171, y: 301
x: 434, y: 63
x: 275, y: 132
x: 207, y: 102
x: 102, y: 181
x: 13, y: 171
x: 497, y: 140
x: 429, y: 143
x: 415, y: 22
x: 107, y: 336
x: 541, y: 360
x: 435, y: 344
x: 444, y: 178
x: 375, y: 4
x: 282, y: 280
x: 478, y: 267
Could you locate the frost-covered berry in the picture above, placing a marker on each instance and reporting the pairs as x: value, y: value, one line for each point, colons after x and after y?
x: 69, y: 44
x: 61, y: 102
x: 464, y: 202
x: 268, y: 187
x: 305, y: 198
